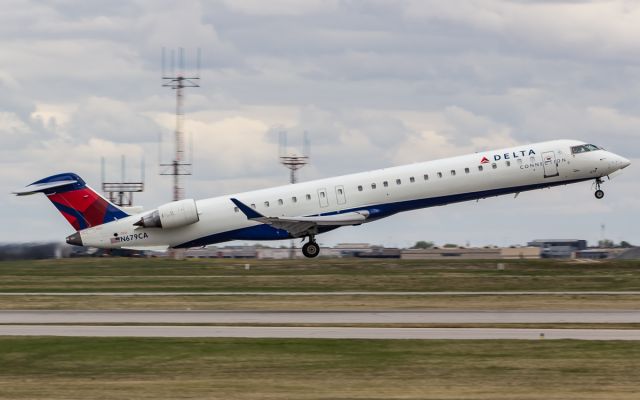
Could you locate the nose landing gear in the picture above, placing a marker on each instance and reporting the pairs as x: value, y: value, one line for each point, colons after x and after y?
x: 598, y: 193
x: 311, y: 248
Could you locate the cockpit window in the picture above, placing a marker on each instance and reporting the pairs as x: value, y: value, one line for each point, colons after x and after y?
x: 584, y: 148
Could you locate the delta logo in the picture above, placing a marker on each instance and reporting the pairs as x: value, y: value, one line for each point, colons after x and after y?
x: 508, y: 156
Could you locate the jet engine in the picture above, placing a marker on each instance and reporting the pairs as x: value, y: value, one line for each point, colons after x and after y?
x: 171, y: 215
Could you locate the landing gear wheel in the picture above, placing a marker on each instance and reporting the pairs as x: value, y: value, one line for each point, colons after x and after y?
x: 311, y: 249
x: 599, y: 193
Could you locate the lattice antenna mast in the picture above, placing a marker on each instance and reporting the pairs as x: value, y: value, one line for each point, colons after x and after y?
x: 121, y: 193
x: 178, y: 81
x: 293, y: 161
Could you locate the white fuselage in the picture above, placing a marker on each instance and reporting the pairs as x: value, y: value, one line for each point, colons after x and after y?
x: 381, y: 192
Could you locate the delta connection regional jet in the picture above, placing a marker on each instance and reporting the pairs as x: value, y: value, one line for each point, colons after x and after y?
x: 304, y: 210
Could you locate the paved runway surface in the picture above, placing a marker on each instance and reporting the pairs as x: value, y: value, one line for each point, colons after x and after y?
x: 508, y: 293
x: 329, y: 333
x: 316, y: 317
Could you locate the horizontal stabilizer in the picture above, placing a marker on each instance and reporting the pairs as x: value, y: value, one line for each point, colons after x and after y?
x: 43, y: 187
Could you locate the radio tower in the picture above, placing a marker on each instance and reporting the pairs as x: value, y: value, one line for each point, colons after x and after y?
x: 293, y: 162
x: 178, y: 82
x: 121, y: 193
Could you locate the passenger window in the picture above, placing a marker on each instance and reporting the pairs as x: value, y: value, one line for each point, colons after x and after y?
x: 280, y: 202
x: 373, y: 186
x: 294, y: 199
x: 466, y: 170
x: 253, y: 205
x: 494, y: 165
x: 412, y: 179
x: 266, y: 204
x: 519, y: 161
x: 439, y: 174
x: 508, y: 163
x: 453, y: 172
x: 308, y: 197
x: 385, y: 184
x: 398, y: 181
x: 359, y: 188
x: 426, y: 177
x: 480, y: 168
x: 236, y: 209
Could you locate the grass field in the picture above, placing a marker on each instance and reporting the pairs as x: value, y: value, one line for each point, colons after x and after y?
x: 335, y: 303
x: 158, y: 275
x: 80, y: 368
x: 107, y: 368
x: 121, y: 275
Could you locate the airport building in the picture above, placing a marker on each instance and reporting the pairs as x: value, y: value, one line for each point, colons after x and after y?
x: 472, y: 253
x: 559, y: 248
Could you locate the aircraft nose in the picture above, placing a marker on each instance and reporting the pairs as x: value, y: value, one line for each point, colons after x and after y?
x: 624, y: 163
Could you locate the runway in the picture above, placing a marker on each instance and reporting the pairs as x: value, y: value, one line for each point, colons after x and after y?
x: 318, y: 333
x: 343, y: 293
x: 317, y: 317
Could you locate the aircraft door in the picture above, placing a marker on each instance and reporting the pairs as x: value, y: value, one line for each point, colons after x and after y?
x: 322, y: 197
x: 550, y: 164
x: 340, y: 196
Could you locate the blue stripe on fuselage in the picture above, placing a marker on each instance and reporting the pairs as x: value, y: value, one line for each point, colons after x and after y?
x: 377, y: 211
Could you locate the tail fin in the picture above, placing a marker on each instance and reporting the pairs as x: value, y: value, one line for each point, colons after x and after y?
x: 76, y: 201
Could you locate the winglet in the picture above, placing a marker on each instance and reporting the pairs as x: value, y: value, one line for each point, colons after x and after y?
x: 246, y: 210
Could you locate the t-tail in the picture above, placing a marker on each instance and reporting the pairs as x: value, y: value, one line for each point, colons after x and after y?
x: 78, y: 203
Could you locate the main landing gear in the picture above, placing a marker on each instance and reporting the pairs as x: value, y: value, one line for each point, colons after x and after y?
x: 311, y: 248
x: 598, y: 193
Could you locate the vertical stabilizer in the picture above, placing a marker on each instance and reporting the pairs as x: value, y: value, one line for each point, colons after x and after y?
x: 82, y: 206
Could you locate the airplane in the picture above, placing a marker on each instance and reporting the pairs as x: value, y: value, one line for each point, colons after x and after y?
x: 307, y: 209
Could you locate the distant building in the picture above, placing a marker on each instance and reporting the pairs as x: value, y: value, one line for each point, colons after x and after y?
x: 509, y: 253
x: 459, y: 253
x: 379, y: 252
x: 514, y: 253
x: 559, y: 248
x: 593, y: 254
x: 352, y: 249
x: 222, y: 252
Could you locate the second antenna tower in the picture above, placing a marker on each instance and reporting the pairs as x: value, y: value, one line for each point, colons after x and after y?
x: 178, y: 82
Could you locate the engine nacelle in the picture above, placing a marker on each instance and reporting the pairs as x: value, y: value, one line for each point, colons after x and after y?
x: 171, y: 215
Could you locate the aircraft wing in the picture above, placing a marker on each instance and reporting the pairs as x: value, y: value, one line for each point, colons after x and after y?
x: 298, y: 226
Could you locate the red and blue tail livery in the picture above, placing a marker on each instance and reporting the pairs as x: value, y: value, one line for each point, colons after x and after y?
x: 77, y: 202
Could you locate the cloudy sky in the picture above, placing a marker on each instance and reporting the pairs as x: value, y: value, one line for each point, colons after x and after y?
x: 375, y: 83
